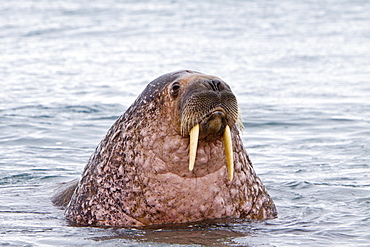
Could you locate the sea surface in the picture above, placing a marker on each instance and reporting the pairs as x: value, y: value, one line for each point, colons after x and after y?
x: 300, y: 71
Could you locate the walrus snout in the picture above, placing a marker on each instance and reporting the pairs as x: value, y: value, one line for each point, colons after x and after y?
x: 207, y: 99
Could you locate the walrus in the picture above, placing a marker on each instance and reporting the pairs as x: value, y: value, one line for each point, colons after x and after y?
x: 174, y: 156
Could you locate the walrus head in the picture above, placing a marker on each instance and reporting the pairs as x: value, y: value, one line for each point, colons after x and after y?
x: 207, y: 109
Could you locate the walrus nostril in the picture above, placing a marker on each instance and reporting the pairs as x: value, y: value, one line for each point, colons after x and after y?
x: 215, y: 84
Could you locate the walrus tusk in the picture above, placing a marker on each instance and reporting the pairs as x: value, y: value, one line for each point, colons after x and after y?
x: 229, y: 152
x: 194, y: 134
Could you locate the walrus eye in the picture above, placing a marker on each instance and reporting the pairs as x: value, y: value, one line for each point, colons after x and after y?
x: 175, y: 88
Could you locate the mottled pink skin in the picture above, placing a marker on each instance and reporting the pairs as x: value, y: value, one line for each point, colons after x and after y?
x: 139, y: 173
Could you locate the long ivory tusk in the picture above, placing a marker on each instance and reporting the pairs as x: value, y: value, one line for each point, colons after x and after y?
x: 194, y: 135
x: 229, y: 152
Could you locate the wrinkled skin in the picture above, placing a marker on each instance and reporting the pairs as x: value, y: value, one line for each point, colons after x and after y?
x: 139, y: 174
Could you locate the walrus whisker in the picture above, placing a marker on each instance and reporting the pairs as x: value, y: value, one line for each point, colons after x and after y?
x: 239, y: 120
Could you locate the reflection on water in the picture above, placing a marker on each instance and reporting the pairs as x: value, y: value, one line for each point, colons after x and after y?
x: 299, y: 71
x: 207, y: 234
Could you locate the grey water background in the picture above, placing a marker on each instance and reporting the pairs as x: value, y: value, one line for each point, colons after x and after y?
x: 300, y: 71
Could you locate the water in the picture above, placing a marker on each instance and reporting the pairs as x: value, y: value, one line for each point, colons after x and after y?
x: 300, y: 70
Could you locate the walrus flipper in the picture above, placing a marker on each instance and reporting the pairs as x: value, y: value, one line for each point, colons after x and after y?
x: 63, y: 194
